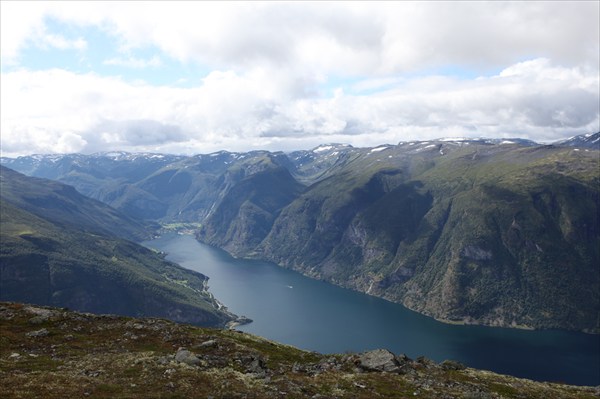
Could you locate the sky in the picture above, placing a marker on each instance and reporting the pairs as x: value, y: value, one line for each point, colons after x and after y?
x: 198, y: 77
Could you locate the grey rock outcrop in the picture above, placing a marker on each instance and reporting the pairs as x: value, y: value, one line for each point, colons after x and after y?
x: 257, y: 366
x: 38, y: 333
x: 381, y: 360
x: 452, y: 365
x: 185, y: 356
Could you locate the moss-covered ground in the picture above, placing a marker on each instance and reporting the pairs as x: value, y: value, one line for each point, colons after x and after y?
x: 55, y: 353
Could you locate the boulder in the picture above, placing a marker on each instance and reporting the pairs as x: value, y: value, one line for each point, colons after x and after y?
x: 185, y: 356
x: 208, y: 344
x: 39, y: 333
x: 452, y: 365
x: 44, y: 313
x: 379, y: 360
x: 257, y: 366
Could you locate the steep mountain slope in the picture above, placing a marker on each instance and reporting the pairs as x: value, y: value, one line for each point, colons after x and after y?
x: 520, y: 247
x: 259, y: 189
x: 52, y: 253
x: 591, y: 141
x: 63, y: 205
x: 314, y: 165
x: 499, y: 235
x: 159, y: 187
x: 122, y: 166
x: 109, y: 177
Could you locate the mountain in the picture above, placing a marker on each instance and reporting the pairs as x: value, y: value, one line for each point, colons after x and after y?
x: 147, y: 186
x: 591, y: 141
x: 53, y: 353
x: 108, y: 177
x: 61, y: 248
x: 479, y: 233
x: 63, y: 205
x: 118, y: 166
x: 260, y: 188
x: 501, y: 232
x: 314, y: 165
x: 470, y: 231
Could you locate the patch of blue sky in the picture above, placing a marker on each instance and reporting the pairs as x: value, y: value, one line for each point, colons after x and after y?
x: 453, y: 71
x: 104, y: 56
x: 37, y: 54
x: 370, y: 85
x: 152, y: 67
x: 335, y: 82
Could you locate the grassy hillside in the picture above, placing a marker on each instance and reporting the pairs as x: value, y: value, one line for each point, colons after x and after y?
x: 63, y: 205
x: 73, y: 263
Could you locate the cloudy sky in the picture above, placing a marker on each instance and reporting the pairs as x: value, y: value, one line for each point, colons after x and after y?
x: 196, y: 77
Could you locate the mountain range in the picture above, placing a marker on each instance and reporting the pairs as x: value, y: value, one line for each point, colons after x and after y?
x: 502, y: 232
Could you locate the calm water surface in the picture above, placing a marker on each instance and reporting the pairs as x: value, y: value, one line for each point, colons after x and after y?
x: 313, y: 315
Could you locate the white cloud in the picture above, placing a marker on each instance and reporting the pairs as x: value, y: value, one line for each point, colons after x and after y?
x: 271, y: 63
x: 354, y: 38
x: 54, y: 111
x: 18, y: 21
x: 22, y: 24
x: 62, y: 43
x: 133, y: 62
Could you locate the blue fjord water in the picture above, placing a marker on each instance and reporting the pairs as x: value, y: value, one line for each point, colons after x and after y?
x: 313, y: 315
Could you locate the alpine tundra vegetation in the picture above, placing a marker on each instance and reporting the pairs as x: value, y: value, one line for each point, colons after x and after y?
x: 54, y: 353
